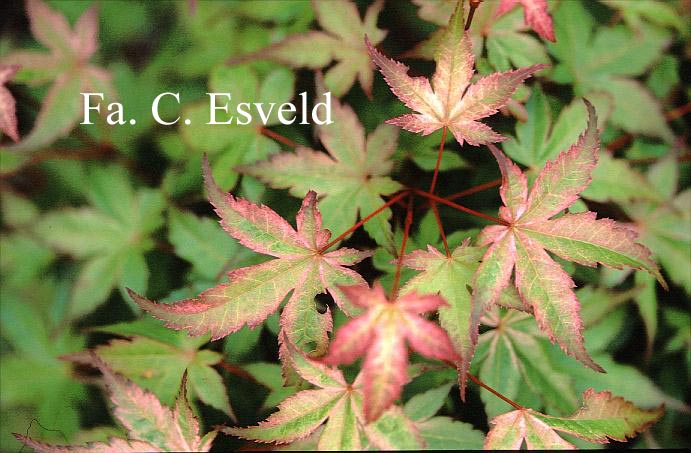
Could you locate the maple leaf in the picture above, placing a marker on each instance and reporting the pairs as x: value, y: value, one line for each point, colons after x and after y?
x: 504, y: 37
x: 156, y: 358
x: 536, y: 15
x: 602, y: 417
x: 451, y: 101
x: 254, y: 292
x: 664, y: 224
x: 341, y: 41
x: 351, y: 178
x: 335, y: 402
x: 528, y: 230
x: 450, y: 277
x: 586, y: 61
x: 517, y: 357
x: 110, y: 236
x: 150, y: 425
x: 8, y: 116
x: 380, y: 334
x: 67, y: 65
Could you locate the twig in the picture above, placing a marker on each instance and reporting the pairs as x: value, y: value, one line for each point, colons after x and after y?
x: 459, y: 207
x: 341, y: 236
x: 399, y: 263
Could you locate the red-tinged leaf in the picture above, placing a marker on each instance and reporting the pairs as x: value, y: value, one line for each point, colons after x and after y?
x: 113, y: 445
x: 333, y: 401
x: 602, y: 417
x: 381, y: 334
x: 297, y: 417
x: 255, y: 292
x: 145, y: 418
x: 8, y: 116
x: 67, y: 65
x: 451, y: 102
x: 49, y: 27
x: 341, y: 41
x: 520, y: 244
x: 150, y: 425
x: 536, y: 16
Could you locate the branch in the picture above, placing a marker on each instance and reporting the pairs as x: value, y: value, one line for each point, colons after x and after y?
x: 459, y: 207
x: 406, y: 233
x: 365, y: 220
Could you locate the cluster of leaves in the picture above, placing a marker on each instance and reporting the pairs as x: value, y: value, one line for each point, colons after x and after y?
x: 359, y: 319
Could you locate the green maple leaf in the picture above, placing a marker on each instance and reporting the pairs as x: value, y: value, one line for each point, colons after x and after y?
x: 602, y: 417
x: 540, y: 138
x: 342, y: 40
x: 665, y: 224
x: 35, y: 382
x: 231, y: 145
x: 450, y: 277
x: 657, y: 12
x: 440, y: 433
x: 516, y: 357
x: 110, y: 237
x: 587, y: 61
x: 156, y: 358
x: 351, y: 178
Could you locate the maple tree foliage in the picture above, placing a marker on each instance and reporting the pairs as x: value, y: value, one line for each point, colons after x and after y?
x: 536, y: 15
x: 408, y: 321
x: 341, y: 41
x: 67, y: 65
x: 150, y: 425
x: 338, y: 403
x: 381, y: 335
x: 452, y: 101
x: 602, y: 417
x: 301, y: 268
x: 529, y: 229
x: 359, y: 164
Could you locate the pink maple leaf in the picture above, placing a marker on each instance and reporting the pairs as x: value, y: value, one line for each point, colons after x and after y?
x: 8, y: 116
x: 381, y: 334
x: 536, y: 16
x: 451, y: 101
x: 529, y: 230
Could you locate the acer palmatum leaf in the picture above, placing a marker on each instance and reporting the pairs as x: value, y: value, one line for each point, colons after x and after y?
x: 339, y: 42
x: 536, y: 16
x: 66, y: 65
x: 381, y: 334
x: 450, y: 276
x: 298, y: 416
x: 150, y: 425
x: 602, y: 417
x: 8, y: 115
x: 113, y: 445
x: 529, y: 231
x: 254, y: 292
x: 350, y: 179
x: 451, y: 101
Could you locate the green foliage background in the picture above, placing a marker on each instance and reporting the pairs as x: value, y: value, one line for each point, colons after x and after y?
x: 105, y: 208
